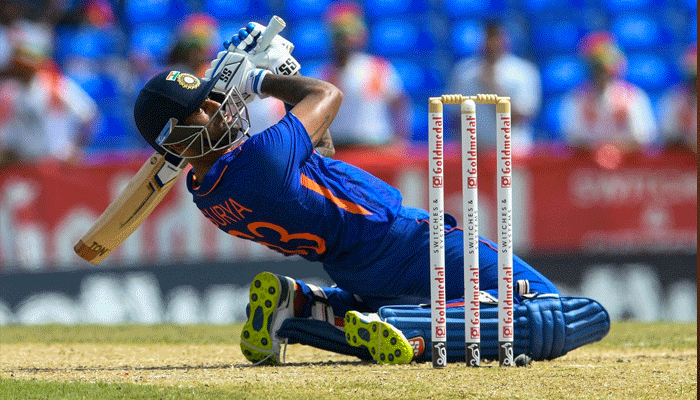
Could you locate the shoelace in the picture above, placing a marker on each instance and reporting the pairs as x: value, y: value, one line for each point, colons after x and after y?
x: 284, y: 354
x: 263, y: 360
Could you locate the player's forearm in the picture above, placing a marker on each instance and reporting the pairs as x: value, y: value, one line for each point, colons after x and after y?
x: 294, y: 89
x: 315, y: 103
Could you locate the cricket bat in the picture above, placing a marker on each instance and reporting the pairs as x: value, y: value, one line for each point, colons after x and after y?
x: 143, y: 193
x: 136, y: 202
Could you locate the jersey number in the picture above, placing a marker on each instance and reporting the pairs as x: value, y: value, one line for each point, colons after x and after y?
x: 277, y: 238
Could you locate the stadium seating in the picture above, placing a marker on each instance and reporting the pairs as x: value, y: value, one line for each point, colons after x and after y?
x: 615, y: 6
x: 310, y: 39
x: 467, y: 38
x: 552, y: 8
x: 312, y: 67
x: 693, y: 30
x: 649, y: 71
x: 137, y: 12
x: 398, y: 36
x: 89, y: 43
x: 419, y: 80
x: 87, y: 76
x: 424, y: 38
x: 549, y: 120
x: 562, y: 73
x: 377, y: 9
x: 638, y: 31
x: 113, y: 131
x: 458, y: 9
x: 557, y: 37
x: 238, y: 9
x: 413, y: 75
x: 154, y: 40
x: 419, y: 122
x: 305, y: 9
x: 142, y: 11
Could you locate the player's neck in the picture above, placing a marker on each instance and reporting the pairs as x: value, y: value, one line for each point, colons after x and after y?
x: 202, y: 165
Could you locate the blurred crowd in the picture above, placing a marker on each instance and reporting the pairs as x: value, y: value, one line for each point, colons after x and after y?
x: 70, y: 71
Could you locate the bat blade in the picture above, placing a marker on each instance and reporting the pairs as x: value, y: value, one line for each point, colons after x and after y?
x: 126, y: 213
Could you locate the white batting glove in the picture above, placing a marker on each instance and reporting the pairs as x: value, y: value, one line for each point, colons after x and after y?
x: 236, y: 71
x: 276, y: 57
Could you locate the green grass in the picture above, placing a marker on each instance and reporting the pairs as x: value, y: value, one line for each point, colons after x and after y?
x: 122, y: 334
x: 622, y: 334
x: 651, y: 335
x: 635, y: 361
x: 18, y: 389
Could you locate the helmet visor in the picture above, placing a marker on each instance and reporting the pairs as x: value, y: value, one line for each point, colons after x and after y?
x: 227, y: 126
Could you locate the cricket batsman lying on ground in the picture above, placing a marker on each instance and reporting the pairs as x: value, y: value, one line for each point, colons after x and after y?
x: 280, y: 188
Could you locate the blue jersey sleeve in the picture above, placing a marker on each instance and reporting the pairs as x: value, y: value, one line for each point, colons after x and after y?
x: 286, y: 142
x: 279, y: 152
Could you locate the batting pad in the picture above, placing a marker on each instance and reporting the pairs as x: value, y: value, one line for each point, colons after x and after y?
x: 546, y: 327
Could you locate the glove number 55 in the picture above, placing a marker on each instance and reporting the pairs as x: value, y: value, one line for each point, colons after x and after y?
x: 289, y: 67
x: 226, y: 75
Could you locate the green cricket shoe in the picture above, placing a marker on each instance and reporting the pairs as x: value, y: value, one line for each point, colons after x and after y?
x: 271, y: 302
x: 386, y: 344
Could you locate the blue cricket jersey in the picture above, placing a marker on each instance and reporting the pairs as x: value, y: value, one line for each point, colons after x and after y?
x: 276, y: 190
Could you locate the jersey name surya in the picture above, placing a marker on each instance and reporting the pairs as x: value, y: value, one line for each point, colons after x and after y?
x: 225, y: 213
x: 266, y: 233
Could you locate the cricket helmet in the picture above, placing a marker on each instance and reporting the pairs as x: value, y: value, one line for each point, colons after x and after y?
x: 170, y: 97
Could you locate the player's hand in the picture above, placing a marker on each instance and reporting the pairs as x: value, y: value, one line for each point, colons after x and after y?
x: 276, y: 57
x: 236, y: 71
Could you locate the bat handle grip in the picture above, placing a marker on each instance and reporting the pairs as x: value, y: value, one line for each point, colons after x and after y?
x: 274, y: 27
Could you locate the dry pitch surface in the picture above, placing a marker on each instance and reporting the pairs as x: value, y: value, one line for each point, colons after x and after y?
x: 635, y: 361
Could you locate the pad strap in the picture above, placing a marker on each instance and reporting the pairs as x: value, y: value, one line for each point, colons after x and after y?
x: 320, y: 307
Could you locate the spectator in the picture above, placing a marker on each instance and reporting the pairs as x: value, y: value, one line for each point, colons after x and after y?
x: 375, y: 106
x: 44, y: 112
x: 91, y: 47
x: 606, y: 111
x: 496, y: 70
x: 9, y: 12
x: 678, y: 107
x: 187, y: 56
x: 195, y: 45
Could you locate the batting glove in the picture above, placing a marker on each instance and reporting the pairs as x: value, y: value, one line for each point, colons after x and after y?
x: 276, y: 57
x: 236, y: 71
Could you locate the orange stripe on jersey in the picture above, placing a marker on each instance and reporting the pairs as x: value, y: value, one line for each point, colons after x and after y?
x: 215, y: 184
x: 325, y: 192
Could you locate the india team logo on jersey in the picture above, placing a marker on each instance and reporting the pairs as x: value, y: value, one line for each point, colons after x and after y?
x: 188, y: 81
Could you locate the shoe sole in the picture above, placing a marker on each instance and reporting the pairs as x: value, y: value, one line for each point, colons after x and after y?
x: 266, y: 294
x: 385, y: 343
